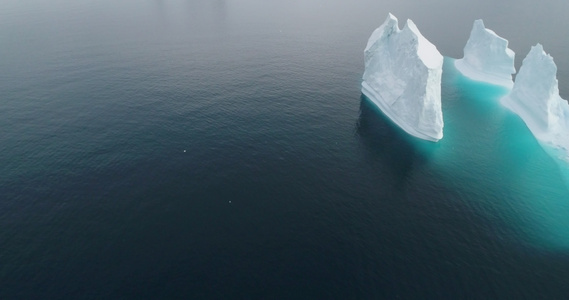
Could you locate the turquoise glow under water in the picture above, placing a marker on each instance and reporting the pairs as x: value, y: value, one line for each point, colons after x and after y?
x: 492, y: 160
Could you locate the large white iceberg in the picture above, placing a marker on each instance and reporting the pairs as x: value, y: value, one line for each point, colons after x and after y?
x: 403, y: 78
x: 535, y: 98
x: 487, y: 57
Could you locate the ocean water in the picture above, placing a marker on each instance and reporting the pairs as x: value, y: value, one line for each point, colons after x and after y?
x: 223, y: 150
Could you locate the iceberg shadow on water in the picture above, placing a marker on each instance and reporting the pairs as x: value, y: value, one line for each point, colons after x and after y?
x: 385, y: 139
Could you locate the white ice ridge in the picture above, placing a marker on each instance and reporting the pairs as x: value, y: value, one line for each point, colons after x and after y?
x: 535, y: 98
x: 403, y: 78
x: 487, y: 57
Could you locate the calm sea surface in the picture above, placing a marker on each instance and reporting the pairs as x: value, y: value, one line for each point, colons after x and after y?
x: 222, y: 149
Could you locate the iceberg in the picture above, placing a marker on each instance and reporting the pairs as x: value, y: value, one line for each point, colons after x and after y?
x: 535, y: 98
x: 403, y: 78
x: 487, y: 57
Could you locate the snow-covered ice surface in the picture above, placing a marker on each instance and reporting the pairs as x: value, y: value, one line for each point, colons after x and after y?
x: 487, y: 57
x: 403, y: 78
x: 535, y: 98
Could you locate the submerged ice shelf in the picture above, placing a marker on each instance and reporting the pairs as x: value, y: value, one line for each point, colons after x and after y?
x: 487, y: 57
x: 403, y: 78
x: 535, y: 98
x: 483, y: 135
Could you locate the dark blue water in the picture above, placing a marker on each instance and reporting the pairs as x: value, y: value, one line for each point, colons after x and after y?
x: 222, y: 149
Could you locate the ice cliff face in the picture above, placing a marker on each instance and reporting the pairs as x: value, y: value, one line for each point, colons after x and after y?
x: 403, y: 78
x: 487, y: 57
x: 535, y: 98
